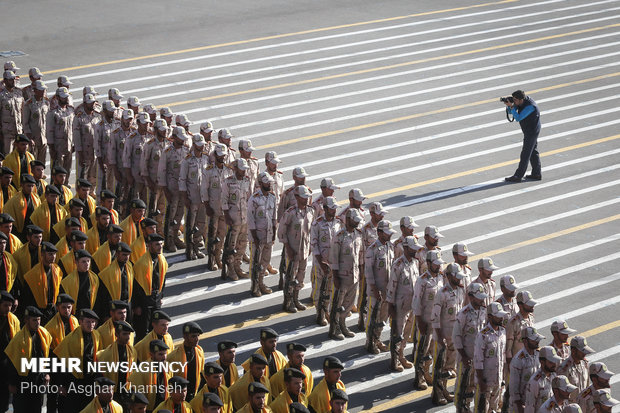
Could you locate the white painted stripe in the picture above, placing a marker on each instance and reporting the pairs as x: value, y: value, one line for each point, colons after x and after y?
x: 580, y: 288
x: 580, y: 311
x: 314, y: 39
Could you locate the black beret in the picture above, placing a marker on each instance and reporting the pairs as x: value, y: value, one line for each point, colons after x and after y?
x: 119, y: 305
x: 64, y: 298
x: 4, y: 236
x: 124, y: 326
x: 36, y: 162
x: 21, y: 138
x: 138, y: 398
x: 81, y: 182
x: 268, y: 333
x: 339, y: 394
x: 4, y: 218
x: 28, y: 179
x: 51, y: 189
x: 76, y: 202
x: 7, y: 171
x: 157, y: 345
x: 191, y: 328
x: 137, y: 203
x: 32, y: 311
x: 102, y: 211
x: 292, y: 372
x: 6, y: 296
x: 178, y: 381
x: 107, y: 194
x: 48, y: 247
x: 211, y: 399
x: 59, y: 170
x: 332, y: 362
x: 115, y: 229
x: 256, y: 387
x: 213, y: 368
x: 78, y: 236
x: 73, y: 222
x: 160, y: 315
x: 104, y: 381
x: 297, y: 407
x: 82, y: 254
x: 148, y: 222
x: 154, y: 237
x: 225, y: 345
x: 258, y: 359
x: 87, y: 313
x: 33, y: 229
x: 295, y: 347
x: 123, y: 247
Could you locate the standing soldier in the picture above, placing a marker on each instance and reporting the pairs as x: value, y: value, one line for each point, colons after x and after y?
x: 116, y: 280
x: 469, y: 321
x: 138, y: 247
x: 446, y: 305
x: 557, y: 403
x: 42, y: 283
x: 62, y: 81
x: 149, y: 166
x: 294, y: 233
x: 328, y: 187
x: 132, y: 156
x: 37, y: 167
x: 271, y: 167
x: 168, y: 181
x: 378, y: 260
x: 369, y: 231
x: 399, y: 296
x: 11, y: 104
x: 461, y: 255
x: 166, y: 114
x: 486, y: 268
x: 87, y: 90
x: 426, y: 288
x: 191, y: 353
x: 522, y: 368
x: 346, y: 257
x: 193, y: 169
x: 49, y: 212
x: 34, y: 117
x: 560, y: 331
x: 245, y: 152
x: 600, y: 376
x: 7, y: 189
x: 81, y: 284
x: 407, y: 226
x: 431, y: 239
x: 206, y: 130
x: 116, y: 153
x: 59, y: 131
x: 538, y: 388
x: 322, y: 234
x: 356, y: 197
x: 575, y: 367
x: 84, y: 126
x: 211, y: 194
x: 509, y: 287
x: 9, y: 327
x: 19, y: 159
x: 183, y: 121
x: 103, y: 141
x: 224, y: 137
x: 234, y: 199
x: 133, y: 103
x: 489, y: 360
x: 262, y: 228
x: 22, y: 205
x: 34, y: 74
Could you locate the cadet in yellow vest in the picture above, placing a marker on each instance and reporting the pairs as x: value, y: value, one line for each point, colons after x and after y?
x: 76, y: 207
x: 159, y: 332
x: 155, y: 384
x: 120, y: 351
x: 131, y: 224
x: 227, y: 350
x: 42, y: 283
x: 28, y: 255
x: 77, y: 241
x: 49, y: 213
x: 6, y: 226
x: 37, y: 167
x: 64, y: 244
x: 63, y: 323
x: 191, y: 353
x: 149, y: 283
x: 296, y: 354
x: 30, y: 342
x: 213, y: 377
x: 104, y: 255
x: 22, y: 205
x: 176, y: 401
x: 210, y: 403
x: 338, y: 402
x: 7, y: 190
x: 137, y: 402
x: 292, y: 393
x: 116, y: 280
x: 258, y: 396
x: 19, y: 160
x: 103, y: 403
x: 107, y: 330
x: 108, y: 200
x: 267, y: 349
x: 9, y: 326
x: 322, y: 393
x: 8, y: 268
x: 256, y: 372
x: 82, y: 190
x: 81, y: 284
x: 138, y: 247
x: 59, y: 178
x: 98, y: 234
x: 83, y: 343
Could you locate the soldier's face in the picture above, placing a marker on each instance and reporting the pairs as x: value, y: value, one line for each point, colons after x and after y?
x: 65, y: 309
x: 123, y: 337
x: 508, y: 293
x: 266, y: 187
x: 104, y: 221
x: 354, y: 203
x: 206, y: 135
x: 27, y: 188
x: 83, y: 264
x: 191, y: 340
x: 160, y: 327
x: 271, y: 166
x: 21, y: 147
x: 122, y: 257
x: 562, y: 337
x: 384, y: 236
x: 5, y: 307
x: 430, y: 241
x: 155, y: 247
x: 88, y: 324
x: 329, y: 213
x: 33, y: 323
x: 9, y: 83
x: 532, y: 344
x: 269, y: 344
x: 228, y: 356
x: 406, y: 231
x: 215, y: 380
x: 599, y: 382
x: 37, y: 172
x: 338, y: 406
x: 434, y: 267
x: 105, y: 395
x: 294, y: 385
x: 601, y: 408
x: 257, y: 370
x: 126, y: 122
x: 495, y: 321
x: 49, y: 257
x: 239, y: 173
x: 60, y: 179
x: 6, y: 227
x: 77, y: 211
x: 79, y: 245
x: 550, y: 365
x: 82, y: 192
x: 35, y: 239
x: 108, y: 203
x: 2, y: 245
x: 460, y: 259
x: 159, y: 355
x: 6, y: 180
x: 211, y: 409
x: 137, y: 214
x: 327, y: 191
x: 257, y: 401
x: 38, y: 94
x: 332, y: 375
x: 119, y: 314
x: 297, y: 358
x: 51, y: 198
x: 299, y: 180
x: 485, y: 274
x: 114, y: 238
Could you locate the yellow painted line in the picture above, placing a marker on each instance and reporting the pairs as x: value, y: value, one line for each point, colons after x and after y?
x: 394, y: 66
x: 277, y: 36
x: 482, y: 169
x: 411, y: 397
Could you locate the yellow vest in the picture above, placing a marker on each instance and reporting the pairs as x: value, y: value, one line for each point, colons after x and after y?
x: 20, y: 347
x: 41, y: 218
x: 239, y: 390
x: 12, y: 161
x: 169, y: 405
x: 36, y: 280
x: 10, y: 191
x: 222, y: 392
x: 142, y: 348
x: 11, y: 269
x: 71, y: 285
x: 110, y: 355
x: 14, y: 244
x: 102, y: 257
x: 280, y: 361
x: 63, y: 248
x: 73, y: 346
x: 92, y: 204
x: 277, y: 380
x: 110, y: 276
x: 283, y: 401
x: 145, y: 380
x: 57, y: 329
x: 60, y: 230
x: 138, y: 249
x: 13, y: 323
x: 178, y: 354
x: 320, y: 397
x: 16, y: 207
x: 114, y: 219
x: 95, y: 407
x: 23, y: 259
x: 68, y: 263
x: 108, y: 334
x: 143, y: 272
x: 92, y: 243
x: 131, y: 233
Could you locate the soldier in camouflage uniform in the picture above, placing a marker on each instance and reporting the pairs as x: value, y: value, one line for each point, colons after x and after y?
x: 34, y: 118
x: 575, y: 367
x: 116, y: 150
x: 59, y: 131
x: 600, y: 376
x: 522, y: 367
x: 103, y: 140
x: 538, y: 388
x: 11, y: 104
x: 84, y: 126
x: 407, y: 226
x: 149, y: 166
x: 132, y: 157
x: 271, y: 167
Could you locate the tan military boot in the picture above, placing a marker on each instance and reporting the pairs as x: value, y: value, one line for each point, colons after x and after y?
x: 401, y: 356
x: 255, y: 290
x: 418, y: 382
x: 345, y: 330
x: 296, y: 302
x: 261, y: 285
x: 240, y: 273
x: 394, y: 363
x: 320, y: 317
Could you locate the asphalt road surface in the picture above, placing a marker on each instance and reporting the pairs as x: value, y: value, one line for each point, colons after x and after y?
x: 400, y: 99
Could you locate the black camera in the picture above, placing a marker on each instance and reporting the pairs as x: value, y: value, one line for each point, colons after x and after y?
x: 507, y: 99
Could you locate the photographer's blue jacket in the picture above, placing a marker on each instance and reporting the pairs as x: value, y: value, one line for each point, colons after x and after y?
x: 528, y: 116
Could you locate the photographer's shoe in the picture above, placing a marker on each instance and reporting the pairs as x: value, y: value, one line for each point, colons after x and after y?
x: 513, y: 179
x: 534, y: 177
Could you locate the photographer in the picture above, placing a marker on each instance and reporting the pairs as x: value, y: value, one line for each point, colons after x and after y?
x: 524, y: 110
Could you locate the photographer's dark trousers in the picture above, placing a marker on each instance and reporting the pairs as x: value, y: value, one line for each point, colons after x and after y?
x: 529, y: 154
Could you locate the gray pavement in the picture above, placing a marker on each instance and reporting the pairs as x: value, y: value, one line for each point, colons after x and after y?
x: 404, y: 108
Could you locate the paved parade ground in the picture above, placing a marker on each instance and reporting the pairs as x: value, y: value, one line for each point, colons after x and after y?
x: 401, y: 99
